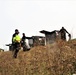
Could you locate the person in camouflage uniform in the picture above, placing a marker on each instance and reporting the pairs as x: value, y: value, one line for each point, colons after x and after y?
x: 63, y: 32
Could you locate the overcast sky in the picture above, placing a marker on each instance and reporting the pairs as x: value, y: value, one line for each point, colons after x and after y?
x: 32, y: 16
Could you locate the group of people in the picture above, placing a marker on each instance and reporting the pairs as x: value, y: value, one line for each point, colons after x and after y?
x: 18, y: 42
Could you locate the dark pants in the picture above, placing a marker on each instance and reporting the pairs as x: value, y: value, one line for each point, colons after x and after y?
x: 24, y: 46
x: 16, y: 48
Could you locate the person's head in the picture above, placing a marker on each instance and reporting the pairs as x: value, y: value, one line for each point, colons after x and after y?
x: 23, y: 34
x: 16, y: 31
x: 62, y: 27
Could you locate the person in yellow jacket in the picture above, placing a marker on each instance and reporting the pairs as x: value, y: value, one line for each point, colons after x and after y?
x: 16, y: 39
x: 16, y: 43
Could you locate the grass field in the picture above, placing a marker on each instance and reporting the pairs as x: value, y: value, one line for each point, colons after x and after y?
x: 56, y: 59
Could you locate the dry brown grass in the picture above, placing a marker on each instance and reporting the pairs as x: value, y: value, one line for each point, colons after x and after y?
x: 56, y: 59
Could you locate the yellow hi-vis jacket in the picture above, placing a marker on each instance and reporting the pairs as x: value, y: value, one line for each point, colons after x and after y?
x: 16, y: 38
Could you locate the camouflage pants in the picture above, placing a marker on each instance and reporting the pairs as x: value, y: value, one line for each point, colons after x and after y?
x: 16, y: 48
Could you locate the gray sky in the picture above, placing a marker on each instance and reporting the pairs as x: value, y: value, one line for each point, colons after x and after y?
x: 32, y: 16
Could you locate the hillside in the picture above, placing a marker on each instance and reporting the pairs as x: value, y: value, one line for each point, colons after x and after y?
x: 55, y: 59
